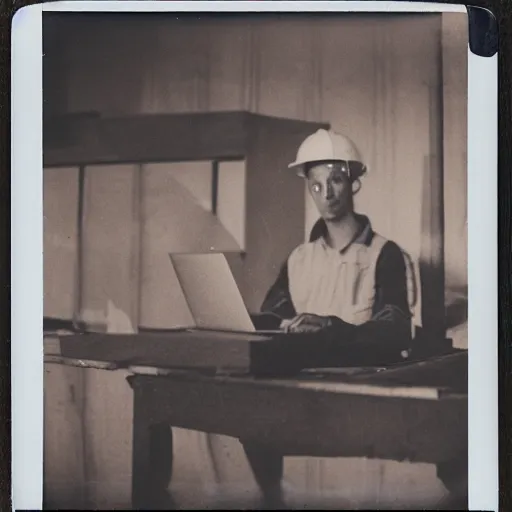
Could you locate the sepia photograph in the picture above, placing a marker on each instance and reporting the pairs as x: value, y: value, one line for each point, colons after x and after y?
x: 255, y: 260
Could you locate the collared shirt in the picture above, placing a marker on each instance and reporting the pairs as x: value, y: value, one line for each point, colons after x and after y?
x: 328, y: 282
x: 365, y: 284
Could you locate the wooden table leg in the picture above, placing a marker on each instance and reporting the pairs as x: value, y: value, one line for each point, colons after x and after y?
x: 152, y: 465
x: 267, y: 467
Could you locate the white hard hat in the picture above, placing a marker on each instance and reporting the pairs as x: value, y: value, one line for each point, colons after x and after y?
x: 328, y: 146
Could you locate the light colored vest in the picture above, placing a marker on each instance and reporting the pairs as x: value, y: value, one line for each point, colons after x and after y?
x: 325, y: 282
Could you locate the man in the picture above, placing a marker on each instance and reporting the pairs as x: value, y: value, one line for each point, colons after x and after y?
x: 347, y: 281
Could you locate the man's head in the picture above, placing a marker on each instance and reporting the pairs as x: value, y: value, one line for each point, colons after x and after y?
x: 331, y: 163
x: 331, y: 189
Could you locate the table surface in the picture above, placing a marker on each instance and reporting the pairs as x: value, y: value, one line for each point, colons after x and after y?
x: 429, y: 378
x: 433, y: 378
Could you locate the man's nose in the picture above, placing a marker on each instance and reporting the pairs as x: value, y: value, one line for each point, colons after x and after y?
x: 329, y: 191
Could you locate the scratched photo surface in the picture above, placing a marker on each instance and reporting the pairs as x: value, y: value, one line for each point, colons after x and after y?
x: 255, y: 261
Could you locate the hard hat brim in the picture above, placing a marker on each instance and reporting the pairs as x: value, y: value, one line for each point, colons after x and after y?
x: 299, y: 167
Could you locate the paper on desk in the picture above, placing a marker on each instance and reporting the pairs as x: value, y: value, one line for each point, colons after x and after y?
x: 211, y: 292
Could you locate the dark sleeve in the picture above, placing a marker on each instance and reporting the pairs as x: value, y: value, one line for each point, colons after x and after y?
x: 388, y: 332
x: 391, y: 300
x: 278, y: 300
x: 277, y: 305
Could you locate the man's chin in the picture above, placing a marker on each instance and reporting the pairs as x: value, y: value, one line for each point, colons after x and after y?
x: 332, y: 217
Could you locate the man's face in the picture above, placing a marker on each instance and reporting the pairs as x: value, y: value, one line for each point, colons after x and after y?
x: 331, y: 189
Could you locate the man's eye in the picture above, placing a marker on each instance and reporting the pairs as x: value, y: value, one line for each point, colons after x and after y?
x: 337, y: 178
x: 316, y: 188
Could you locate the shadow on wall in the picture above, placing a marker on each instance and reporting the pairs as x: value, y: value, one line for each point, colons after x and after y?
x: 174, y: 221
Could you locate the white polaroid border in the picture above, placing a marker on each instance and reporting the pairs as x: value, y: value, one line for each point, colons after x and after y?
x: 27, y: 239
x: 483, y: 282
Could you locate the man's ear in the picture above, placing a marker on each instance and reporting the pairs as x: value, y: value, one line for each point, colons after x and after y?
x: 356, y: 186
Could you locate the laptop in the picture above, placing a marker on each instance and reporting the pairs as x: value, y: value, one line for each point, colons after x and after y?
x: 211, y: 293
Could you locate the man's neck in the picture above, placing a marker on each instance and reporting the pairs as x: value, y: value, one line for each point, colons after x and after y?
x: 340, y: 233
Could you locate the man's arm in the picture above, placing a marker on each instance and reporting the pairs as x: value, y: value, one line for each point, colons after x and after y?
x: 278, y: 300
x: 391, y: 319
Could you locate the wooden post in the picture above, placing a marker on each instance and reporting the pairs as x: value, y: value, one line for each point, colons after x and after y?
x: 432, y: 246
x: 79, y: 266
x: 136, y: 246
x: 215, y: 185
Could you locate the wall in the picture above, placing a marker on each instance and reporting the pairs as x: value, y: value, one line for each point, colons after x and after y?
x: 363, y: 80
x: 60, y: 204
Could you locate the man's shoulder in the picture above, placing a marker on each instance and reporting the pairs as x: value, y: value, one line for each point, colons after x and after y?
x: 385, y: 245
x: 391, y: 255
x: 388, y: 253
x: 304, y: 249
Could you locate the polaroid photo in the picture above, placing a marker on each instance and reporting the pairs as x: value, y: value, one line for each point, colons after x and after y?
x: 324, y: 161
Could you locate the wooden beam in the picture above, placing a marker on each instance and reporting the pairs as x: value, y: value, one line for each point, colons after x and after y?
x: 89, y: 140
x: 152, y: 138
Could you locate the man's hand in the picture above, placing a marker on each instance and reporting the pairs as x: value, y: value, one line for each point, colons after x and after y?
x: 306, y: 322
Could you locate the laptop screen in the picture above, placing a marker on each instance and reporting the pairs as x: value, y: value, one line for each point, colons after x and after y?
x: 211, y: 292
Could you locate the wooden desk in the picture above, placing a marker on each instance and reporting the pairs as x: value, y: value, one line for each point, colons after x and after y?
x: 413, y: 412
x: 346, y: 416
